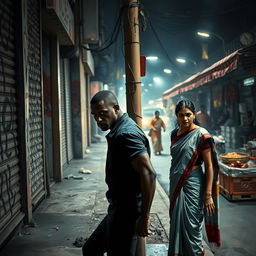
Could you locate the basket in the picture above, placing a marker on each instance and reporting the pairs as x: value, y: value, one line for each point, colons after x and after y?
x: 230, y: 157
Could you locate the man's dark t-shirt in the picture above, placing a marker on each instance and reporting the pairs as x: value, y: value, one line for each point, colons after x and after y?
x: 125, y: 142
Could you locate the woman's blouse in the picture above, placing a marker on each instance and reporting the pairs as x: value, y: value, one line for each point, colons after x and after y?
x: 206, y: 145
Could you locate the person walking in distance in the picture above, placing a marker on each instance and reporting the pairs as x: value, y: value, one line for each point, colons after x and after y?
x: 156, y: 125
x: 130, y: 178
x: 193, y: 191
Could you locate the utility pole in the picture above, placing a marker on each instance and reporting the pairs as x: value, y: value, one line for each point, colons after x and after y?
x: 132, y: 59
x: 132, y: 78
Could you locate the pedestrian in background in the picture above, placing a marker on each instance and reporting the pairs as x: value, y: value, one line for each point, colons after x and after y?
x: 130, y: 178
x: 203, y: 117
x: 156, y: 125
x: 193, y: 192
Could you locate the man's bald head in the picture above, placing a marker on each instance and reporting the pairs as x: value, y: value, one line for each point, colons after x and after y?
x: 105, y: 109
x: 107, y: 97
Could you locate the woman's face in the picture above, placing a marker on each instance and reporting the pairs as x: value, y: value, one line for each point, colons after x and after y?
x: 185, y: 118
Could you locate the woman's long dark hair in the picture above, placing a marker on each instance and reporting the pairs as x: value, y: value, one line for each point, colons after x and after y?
x: 186, y: 104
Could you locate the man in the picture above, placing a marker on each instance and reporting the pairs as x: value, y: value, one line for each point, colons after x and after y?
x: 203, y: 117
x: 130, y: 178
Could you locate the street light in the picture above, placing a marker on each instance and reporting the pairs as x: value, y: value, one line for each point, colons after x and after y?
x: 208, y: 34
x: 184, y: 60
x: 152, y: 58
x: 157, y: 80
x: 167, y: 71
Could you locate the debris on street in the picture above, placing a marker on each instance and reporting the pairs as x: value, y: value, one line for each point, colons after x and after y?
x: 84, y: 171
x: 79, y: 242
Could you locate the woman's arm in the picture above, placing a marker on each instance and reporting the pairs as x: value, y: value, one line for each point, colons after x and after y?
x: 207, y: 157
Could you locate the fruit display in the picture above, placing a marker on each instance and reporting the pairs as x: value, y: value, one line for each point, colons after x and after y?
x: 238, y: 164
x: 233, y: 157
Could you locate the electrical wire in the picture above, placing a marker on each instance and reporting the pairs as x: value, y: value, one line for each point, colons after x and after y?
x: 165, y: 51
x: 114, y: 35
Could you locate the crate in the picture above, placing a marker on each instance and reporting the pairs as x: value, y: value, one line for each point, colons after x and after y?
x: 238, y: 188
x: 237, y: 197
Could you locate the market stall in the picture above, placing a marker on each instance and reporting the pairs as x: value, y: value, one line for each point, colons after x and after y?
x: 237, y: 176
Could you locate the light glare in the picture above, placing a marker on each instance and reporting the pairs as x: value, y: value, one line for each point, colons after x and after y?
x: 181, y: 60
x: 204, y: 34
x: 157, y: 80
x: 168, y: 71
x: 152, y: 58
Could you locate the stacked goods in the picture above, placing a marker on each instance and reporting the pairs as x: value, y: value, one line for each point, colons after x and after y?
x: 231, y: 135
x: 237, y: 178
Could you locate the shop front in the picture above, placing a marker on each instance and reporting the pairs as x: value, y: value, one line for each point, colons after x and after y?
x: 228, y: 90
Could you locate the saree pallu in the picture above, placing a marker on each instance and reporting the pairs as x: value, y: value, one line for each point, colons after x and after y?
x: 187, y: 189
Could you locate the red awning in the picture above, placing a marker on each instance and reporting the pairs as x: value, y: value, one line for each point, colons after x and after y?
x: 217, y: 70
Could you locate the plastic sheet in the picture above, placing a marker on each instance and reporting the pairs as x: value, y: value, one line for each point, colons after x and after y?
x: 237, y: 172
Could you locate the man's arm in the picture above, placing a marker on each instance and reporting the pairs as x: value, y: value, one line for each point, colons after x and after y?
x: 143, y: 166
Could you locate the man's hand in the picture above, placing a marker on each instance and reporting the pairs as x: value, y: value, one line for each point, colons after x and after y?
x: 142, y: 225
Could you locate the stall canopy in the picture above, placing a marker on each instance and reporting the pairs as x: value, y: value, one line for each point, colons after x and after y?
x: 245, y: 57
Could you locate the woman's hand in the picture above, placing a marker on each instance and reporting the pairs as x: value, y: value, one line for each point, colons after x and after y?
x: 209, y: 205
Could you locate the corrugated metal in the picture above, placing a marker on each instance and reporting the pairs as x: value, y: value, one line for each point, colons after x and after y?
x: 10, y: 188
x: 36, y: 157
x: 68, y: 110
x: 63, y: 115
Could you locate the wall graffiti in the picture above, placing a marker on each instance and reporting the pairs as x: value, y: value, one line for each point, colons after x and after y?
x: 5, y: 29
x: 35, y: 98
x: 8, y: 143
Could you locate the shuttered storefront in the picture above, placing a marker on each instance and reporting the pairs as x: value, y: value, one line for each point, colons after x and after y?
x: 10, y: 188
x: 68, y: 110
x: 36, y: 156
x: 66, y: 118
x: 64, y: 155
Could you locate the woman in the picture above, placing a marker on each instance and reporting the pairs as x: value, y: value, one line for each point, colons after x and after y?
x: 156, y: 124
x: 193, y: 191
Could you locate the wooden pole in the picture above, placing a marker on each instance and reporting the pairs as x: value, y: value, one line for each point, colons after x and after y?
x: 132, y: 70
x: 132, y: 60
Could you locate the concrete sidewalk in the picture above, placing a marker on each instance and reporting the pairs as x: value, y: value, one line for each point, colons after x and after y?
x: 75, y: 208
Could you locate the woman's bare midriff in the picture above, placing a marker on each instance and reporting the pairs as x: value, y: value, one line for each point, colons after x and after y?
x: 195, y: 167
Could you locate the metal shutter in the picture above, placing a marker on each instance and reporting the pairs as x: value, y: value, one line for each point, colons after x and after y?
x: 63, y: 116
x: 68, y: 110
x: 10, y: 189
x: 36, y: 156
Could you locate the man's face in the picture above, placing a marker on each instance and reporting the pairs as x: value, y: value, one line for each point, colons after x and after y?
x: 105, y: 114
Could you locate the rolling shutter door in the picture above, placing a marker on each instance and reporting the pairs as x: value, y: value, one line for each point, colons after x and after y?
x: 10, y: 189
x: 36, y: 156
x: 68, y: 110
x: 63, y: 115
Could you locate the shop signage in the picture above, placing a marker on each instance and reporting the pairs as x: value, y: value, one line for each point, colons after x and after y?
x: 249, y: 81
x: 65, y: 15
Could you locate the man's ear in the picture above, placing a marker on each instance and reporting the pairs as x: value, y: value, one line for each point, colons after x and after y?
x: 116, y: 108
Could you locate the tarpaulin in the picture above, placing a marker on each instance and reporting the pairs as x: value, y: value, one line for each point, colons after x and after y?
x: 217, y: 70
